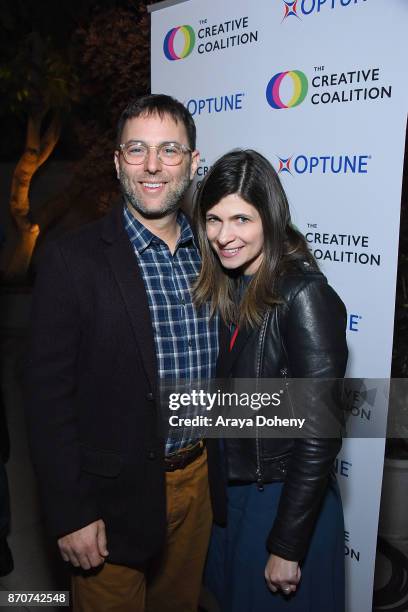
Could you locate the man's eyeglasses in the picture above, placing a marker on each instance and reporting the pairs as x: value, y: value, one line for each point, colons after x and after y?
x: 169, y: 153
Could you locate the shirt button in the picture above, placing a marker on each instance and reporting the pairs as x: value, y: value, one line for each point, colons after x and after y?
x: 151, y: 455
x: 182, y: 302
x: 190, y: 343
x: 149, y: 397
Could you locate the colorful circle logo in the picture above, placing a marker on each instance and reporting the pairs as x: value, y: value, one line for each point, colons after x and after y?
x: 300, y: 87
x: 189, y: 42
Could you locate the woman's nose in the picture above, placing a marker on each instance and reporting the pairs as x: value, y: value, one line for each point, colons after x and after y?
x: 226, y: 234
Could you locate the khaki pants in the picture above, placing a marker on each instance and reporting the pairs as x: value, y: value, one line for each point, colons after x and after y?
x: 173, y: 584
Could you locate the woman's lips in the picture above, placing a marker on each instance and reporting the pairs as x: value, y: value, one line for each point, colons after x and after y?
x: 230, y: 252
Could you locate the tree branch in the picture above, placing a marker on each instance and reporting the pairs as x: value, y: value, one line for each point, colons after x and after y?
x: 50, y: 139
x: 25, y: 168
x: 33, y: 133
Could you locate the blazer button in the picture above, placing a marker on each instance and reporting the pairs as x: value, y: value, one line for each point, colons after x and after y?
x: 150, y: 397
x: 152, y: 455
x: 282, y: 467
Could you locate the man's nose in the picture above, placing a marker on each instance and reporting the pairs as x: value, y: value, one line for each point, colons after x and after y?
x: 152, y: 161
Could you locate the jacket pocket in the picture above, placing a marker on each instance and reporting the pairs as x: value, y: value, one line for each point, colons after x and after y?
x: 276, y: 466
x: 100, y: 462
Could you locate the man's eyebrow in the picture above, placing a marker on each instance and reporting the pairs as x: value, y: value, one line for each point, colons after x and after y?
x: 163, y: 142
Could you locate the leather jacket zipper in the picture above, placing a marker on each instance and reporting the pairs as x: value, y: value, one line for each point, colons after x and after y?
x: 284, y: 374
x: 259, y: 473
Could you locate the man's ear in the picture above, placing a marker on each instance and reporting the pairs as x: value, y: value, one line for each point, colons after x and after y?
x: 195, y: 160
x: 116, y: 162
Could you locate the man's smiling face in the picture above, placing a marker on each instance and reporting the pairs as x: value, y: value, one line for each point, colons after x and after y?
x: 152, y: 189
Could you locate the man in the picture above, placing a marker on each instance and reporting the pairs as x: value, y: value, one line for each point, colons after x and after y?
x: 112, y: 315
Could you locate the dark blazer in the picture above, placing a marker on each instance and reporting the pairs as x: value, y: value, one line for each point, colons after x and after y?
x: 91, y: 389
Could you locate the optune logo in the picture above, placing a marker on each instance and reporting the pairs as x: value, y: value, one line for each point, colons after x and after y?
x: 293, y: 8
x: 216, y: 104
x: 291, y: 85
x: 185, y: 40
x: 284, y: 164
x: 323, y: 164
x: 290, y: 9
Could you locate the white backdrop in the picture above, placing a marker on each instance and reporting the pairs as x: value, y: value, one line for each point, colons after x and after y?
x: 318, y: 87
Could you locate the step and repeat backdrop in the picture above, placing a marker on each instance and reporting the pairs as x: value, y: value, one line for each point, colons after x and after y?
x: 318, y: 87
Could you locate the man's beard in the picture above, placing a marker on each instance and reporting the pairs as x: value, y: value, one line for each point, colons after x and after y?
x: 170, y: 204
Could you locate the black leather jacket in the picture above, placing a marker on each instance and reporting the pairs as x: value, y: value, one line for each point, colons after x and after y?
x: 304, y: 337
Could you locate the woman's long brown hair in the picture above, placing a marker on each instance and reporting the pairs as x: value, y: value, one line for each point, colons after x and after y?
x: 252, y: 177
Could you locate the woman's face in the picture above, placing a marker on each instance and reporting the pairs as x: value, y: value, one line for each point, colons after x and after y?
x: 235, y: 232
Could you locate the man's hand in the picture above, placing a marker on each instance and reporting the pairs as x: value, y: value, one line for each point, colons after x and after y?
x: 282, y: 574
x: 86, y: 547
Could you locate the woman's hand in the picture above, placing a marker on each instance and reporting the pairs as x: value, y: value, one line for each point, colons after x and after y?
x: 282, y: 574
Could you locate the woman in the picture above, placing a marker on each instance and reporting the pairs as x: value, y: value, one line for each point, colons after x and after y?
x: 283, y: 544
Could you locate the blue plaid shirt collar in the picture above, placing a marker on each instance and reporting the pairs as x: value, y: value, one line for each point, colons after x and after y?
x: 141, y: 237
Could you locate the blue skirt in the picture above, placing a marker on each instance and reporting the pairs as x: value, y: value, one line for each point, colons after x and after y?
x: 237, y: 556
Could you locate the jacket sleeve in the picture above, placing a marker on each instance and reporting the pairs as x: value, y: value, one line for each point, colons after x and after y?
x: 315, y: 342
x: 50, y: 394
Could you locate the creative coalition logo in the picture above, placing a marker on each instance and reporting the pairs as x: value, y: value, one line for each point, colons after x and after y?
x: 358, y: 85
x: 183, y: 37
x: 295, y: 8
x: 287, y: 89
x: 202, y: 170
x: 323, y: 164
x: 349, y: 551
x: 179, y: 42
x: 358, y: 399
x: 341, y: 248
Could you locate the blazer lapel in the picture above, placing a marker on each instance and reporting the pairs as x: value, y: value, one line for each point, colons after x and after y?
x: 123, y: 262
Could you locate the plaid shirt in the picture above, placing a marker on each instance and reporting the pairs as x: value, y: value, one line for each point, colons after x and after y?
x: 186, y: 340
